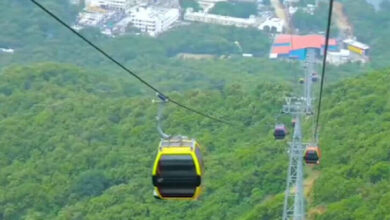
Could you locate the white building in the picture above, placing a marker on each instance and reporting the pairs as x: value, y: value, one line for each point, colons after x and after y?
x: 291, y: 1
x: 7, y: 50
x: 219, y: 19
x: 338, y: 57
x: 272, y: 24
x: 111, y: 4
x: 154, y: 20
x: 121, y: 26
x: 90, y: 19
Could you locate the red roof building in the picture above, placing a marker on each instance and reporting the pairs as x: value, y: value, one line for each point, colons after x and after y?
x: 295, y: 46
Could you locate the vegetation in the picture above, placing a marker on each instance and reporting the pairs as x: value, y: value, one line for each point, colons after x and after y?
x: 235, y: 9
x: 364, y: 17
x: 76, y: 146
x: 354, y: 172
x: 354, y: 180
x: 304, y: 3
x: 35, y: 37
x: 190, y: 4
x: 86, y: 149
x: 267, y: 2
x: 307, y: 23
x: 215, y: 39
x: 77, y: 141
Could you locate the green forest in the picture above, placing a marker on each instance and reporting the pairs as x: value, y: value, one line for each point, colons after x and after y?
x: 78, y: 136
x: 235, y: 9
x: 76, y: 146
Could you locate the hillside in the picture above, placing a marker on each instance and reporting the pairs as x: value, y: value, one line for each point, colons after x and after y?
x: 78, y: 135
x: 75, y: 146
x: 354, y: 175
x: 355, y: 171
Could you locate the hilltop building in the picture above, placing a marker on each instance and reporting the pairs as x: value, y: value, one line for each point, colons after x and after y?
x: 154, y: 20
x: 273, y: 25
x: 218, y: 19
x: 115, y: 4
x: 295, y: 46
x: 353, y: 51
x: 109, y: 4
x: 356, y: 47
x: 91, y: 18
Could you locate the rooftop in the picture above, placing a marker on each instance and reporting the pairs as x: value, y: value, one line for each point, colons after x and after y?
x: 284, y: 43
x: 356, y: 44
x: 153, y: 12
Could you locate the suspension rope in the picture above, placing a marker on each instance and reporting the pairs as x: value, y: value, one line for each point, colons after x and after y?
x: 125, y: 68
x: 324, y: 66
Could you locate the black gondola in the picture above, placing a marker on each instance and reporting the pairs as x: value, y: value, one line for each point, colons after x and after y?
x: 314, y: 77
x: 280, y: 131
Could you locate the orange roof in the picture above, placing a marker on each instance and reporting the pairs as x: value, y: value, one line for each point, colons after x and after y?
x: 297, y: 42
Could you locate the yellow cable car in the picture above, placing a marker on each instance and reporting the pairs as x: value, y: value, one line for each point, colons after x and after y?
x: 178, y: 169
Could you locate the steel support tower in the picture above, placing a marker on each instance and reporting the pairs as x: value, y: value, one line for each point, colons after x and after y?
x: 294, y: 204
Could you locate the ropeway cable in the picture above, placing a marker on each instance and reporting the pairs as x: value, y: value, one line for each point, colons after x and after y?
x: 127, y: 69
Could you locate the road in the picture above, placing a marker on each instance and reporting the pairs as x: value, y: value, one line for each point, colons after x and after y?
x: 341, y: 19
x: 281, y: 13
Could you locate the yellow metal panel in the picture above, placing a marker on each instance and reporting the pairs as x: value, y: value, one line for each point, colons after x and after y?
x: 355, y: 49
x: 176, y: 150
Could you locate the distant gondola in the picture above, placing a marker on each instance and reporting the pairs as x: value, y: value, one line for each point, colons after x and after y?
x: 280, y: 131
x: 314, y: 77
x: 177, y: 170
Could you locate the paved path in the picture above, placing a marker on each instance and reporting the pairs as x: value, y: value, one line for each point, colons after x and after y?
x: 281, y: 13
x: 341, y: 19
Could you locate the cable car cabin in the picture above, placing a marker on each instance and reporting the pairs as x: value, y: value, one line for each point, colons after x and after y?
x: 280, y: 132
x: 312, y: 155
x: 314, y: 77
x: 301, y: 80
x: 177, y: 170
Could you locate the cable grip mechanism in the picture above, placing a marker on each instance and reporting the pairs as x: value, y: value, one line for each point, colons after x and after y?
x: 162, y: 101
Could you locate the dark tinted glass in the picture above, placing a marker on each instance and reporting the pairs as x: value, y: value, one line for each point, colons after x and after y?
x: 176, y: 176
x: 311, y: 156
x: 176, y: 166
x: 176, y: 192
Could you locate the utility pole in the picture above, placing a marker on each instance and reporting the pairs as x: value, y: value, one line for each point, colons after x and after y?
x: 294, y: 204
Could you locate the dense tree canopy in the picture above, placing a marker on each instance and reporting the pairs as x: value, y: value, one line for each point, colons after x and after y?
x: 73, y: 141
x: 235, y: 9
x: 307, y: 23
x: 77, y: 141
x: 184, y: 4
